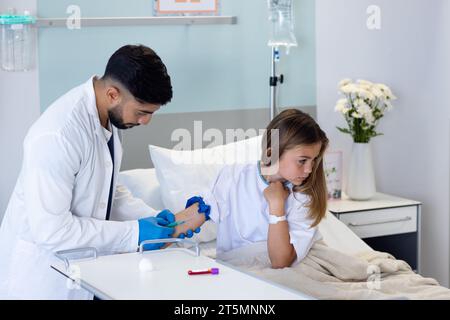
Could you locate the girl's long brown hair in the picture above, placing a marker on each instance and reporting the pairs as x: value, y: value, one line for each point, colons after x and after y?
x: 298, y: 128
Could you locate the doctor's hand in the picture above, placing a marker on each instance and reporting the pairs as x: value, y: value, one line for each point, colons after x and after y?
x: 189, y: 233
x: 167, y: 215
x: 153, y: 228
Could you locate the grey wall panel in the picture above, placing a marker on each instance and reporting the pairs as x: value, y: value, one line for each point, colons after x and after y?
x: 160, y: 129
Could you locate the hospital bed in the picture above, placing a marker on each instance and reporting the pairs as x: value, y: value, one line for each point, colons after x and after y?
x: 397, y: 275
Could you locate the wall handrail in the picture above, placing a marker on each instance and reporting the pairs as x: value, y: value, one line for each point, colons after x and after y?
x: 138, y: 21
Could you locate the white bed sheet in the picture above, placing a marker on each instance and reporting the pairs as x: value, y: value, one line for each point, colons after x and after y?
x: 143, y: 184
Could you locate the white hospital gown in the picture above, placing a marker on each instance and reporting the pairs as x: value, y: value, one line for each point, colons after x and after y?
x: 241, y: 212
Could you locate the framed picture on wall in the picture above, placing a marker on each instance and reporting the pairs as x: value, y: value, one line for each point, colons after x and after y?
x: 186, y: 7
x: 333, y: 174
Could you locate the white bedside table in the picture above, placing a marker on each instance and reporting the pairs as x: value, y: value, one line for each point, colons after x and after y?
x: 386, y: 223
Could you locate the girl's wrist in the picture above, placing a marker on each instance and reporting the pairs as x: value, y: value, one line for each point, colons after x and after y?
x: 277, y: 209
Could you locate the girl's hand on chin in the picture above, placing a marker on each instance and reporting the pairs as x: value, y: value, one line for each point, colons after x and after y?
x: 276, y: 194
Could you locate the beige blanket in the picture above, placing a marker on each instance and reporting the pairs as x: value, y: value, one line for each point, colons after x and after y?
x: 326, y: 273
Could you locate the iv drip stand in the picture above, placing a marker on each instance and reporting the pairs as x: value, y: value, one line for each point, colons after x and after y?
x: 274, y: 81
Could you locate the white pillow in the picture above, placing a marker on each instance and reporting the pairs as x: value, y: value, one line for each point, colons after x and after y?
x: 186, y: 173
x: 144, y: 185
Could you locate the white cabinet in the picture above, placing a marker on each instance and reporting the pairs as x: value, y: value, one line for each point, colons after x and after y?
x: 386, y: 223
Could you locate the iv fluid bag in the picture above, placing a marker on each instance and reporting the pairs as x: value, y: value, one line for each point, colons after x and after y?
x: 281, y: 19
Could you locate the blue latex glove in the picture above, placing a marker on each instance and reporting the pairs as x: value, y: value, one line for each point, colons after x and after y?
x: 189, y: 233
x: 153, y: 228
x: 193, y: 200
x: 167, y: 215
x: 206, y: 209
x: 202, y: 206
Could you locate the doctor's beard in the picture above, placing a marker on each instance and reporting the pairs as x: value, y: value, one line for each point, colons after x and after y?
x: 116, y: 118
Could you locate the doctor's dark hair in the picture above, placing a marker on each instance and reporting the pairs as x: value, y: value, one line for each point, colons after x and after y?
x: 296, y: 128
x: 140, y: 70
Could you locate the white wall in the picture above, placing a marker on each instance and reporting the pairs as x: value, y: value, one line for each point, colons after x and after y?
x: 410, y: 54
x: 440, y: 94
x: 19, y: 108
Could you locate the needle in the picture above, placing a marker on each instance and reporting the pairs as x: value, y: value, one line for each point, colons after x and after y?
x: 177, y: 223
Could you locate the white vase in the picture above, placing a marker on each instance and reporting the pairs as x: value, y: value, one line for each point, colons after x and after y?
x: 361, y: 177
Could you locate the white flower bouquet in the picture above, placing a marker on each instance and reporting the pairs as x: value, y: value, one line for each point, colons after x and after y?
x: 363, y: 105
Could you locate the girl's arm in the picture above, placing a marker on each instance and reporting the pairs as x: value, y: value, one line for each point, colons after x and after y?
x: 192, y: 217
x: 215, y: 198
x: 193, y: 221
x: 281, y: 252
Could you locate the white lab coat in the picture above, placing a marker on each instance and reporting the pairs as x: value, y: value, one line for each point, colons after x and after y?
x: 60, y: 200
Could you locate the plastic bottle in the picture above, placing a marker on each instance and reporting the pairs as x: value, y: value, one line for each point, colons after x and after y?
x: 281, y: 18
x: 17, y: 42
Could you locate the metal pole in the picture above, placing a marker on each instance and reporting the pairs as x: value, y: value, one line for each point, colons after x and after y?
x: 273, y: 84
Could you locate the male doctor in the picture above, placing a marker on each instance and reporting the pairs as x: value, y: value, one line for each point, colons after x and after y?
x: 67, y: 194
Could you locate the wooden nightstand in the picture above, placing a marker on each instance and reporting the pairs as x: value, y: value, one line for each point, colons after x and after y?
x: 386, y: 223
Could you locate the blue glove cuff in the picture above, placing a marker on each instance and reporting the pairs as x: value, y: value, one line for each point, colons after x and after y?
x: 202, y: 206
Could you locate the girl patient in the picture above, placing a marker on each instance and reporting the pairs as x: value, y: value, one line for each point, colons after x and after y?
x: 280, y: 199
